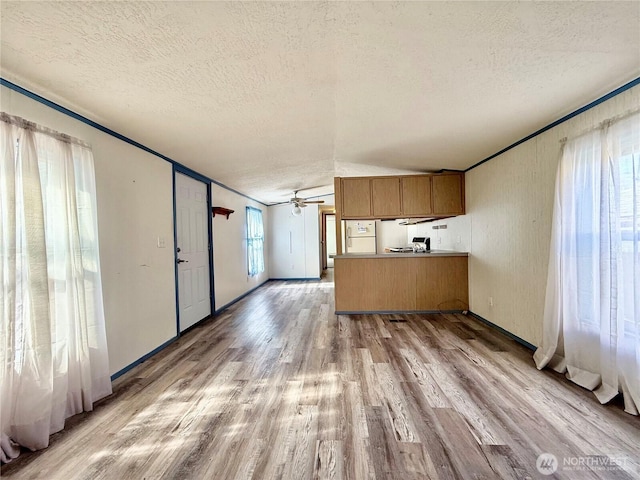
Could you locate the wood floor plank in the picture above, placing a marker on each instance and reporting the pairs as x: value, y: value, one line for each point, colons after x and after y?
x: 328, y: 463
x: 371, y: 391
x: 481, y: 425
x: 467, y: 454
x: 278, y: 387
x: 430, y: 388
x: 401, y: 422
x: 355, y: 434
x: 436, y: 450
x: 384, y: 450
x: 300, y: 465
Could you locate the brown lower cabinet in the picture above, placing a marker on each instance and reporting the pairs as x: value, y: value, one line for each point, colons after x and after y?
x: 401, y: 284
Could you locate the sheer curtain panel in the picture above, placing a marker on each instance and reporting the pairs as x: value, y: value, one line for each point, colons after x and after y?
x: 255, y: 241
x: 53, y: 350
x: 592, y: 309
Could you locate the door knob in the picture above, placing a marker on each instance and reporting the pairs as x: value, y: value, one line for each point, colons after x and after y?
x: 182, y: 261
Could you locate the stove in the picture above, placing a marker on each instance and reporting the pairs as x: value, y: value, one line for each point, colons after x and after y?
x: 418, y: 245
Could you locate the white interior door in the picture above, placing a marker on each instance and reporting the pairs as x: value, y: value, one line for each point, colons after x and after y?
x: 192, y: 250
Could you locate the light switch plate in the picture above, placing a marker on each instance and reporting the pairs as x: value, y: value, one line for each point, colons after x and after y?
x: 162, y: 242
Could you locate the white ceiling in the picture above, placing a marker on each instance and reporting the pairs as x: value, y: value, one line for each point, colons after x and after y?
x: 270, y: 97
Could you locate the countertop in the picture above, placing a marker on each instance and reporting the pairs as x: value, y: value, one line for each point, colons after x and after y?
x: 432, y: 253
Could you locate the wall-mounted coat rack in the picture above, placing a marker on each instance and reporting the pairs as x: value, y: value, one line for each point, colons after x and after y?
x: 222, y: 211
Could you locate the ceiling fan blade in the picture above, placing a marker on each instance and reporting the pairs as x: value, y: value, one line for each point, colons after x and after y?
x: 314, y: 201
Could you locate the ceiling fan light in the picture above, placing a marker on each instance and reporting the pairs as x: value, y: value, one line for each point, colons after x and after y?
x: 296, y: 210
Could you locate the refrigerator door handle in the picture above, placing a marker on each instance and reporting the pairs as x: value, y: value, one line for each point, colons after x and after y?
x: 348, y: 241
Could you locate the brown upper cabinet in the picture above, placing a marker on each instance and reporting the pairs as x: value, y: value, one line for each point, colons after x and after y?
x: 385, y: 197
x: 431, y: 195
x: 448, y: 194
x: 416, y: 196
x: 356, y: 197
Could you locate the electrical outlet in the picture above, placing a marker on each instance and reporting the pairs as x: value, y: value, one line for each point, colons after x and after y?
x: 491, y: 301
x: 162, y: 242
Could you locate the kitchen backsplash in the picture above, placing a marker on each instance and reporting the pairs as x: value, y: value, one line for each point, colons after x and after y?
x: 456, y: 235
x: 390, y: 234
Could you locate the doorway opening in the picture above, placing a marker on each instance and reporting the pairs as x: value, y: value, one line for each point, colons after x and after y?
x: 327, y: 238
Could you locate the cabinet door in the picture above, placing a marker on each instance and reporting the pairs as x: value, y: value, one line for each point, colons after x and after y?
x: 448, y: 194
x: 442, y: 283
x: 385, y: 197
x: 416, y: 196
x: 356, y: 197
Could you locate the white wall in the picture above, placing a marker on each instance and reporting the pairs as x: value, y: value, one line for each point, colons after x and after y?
x: 294, y: 250
x: 510, y: 202
x: 390, y: 234
x: 457, y: 235
x: 230, y: 266
x: 295, y: 242
x: 135, y: 207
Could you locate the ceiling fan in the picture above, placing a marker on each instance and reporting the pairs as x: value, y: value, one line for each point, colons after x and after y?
x: 299, y: 203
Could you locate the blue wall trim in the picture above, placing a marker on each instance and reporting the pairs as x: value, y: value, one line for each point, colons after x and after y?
x: 502, y: 330
x: 237, y: 192
x: 589, y: 106
x: 142, y: 359
x: 175, y: 253
x: 212, y: 295
x: 212, y: 272
x: 190, y: 173
x: 237, y: 299
x: 102, y: 128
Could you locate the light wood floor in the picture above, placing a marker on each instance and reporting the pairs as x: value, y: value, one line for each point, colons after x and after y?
x: 279, y: 387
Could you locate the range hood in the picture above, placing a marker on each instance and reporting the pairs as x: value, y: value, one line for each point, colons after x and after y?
x: 415, y: 221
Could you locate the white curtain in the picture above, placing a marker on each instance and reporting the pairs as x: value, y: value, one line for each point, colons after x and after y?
x: 255, y: 241
x: 53, y: 351
x: 592, y: 308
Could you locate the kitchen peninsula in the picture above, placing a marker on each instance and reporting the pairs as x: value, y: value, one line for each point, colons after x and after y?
x: 400, y: 282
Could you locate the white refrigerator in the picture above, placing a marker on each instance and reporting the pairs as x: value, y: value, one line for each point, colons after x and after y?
x: 360, y: 236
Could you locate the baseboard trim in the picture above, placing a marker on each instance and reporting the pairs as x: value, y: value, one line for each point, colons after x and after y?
x: 502, y: 330
x: 305, y: 279
x: 121, y: 372
x: 392, y: 312
x: 237, y: 299
x: 142, y: 359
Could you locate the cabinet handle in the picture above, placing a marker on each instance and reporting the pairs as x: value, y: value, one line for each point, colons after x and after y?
x: 290, y: 242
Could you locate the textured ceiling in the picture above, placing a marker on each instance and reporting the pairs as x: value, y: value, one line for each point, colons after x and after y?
x: 269, y: 97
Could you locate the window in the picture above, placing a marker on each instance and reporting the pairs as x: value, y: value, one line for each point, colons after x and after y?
x: 53, y: 351
x: 255, y: 241
x: 592, y: 310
